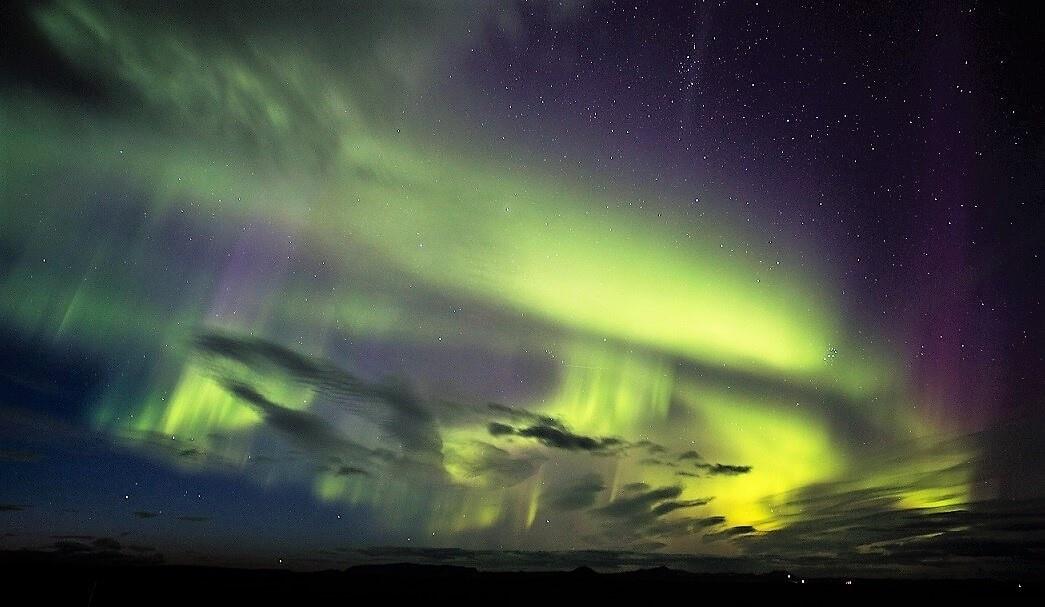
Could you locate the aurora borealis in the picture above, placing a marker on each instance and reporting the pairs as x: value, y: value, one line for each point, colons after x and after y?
x: 722, y: 287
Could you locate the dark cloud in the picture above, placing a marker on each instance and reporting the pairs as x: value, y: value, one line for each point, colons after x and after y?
x: 639, y: 504
x: 650, y: 446
x: 687, y: 474
x: 737, y: 531
x: 553, y: 433
x: 392, y: 406
x: 523, y: 416
x: 557, y: 438
x: 86, y: 543
x: 723, y: 469
x: 689, y: 455
x: 641, y: 514
x: 740, y: 530
x: 842, y: 528
x: 409, y: 423
x: 499, y: 429
x: 13, y: 507
x: 671, y: 506
x: 85, y: 549
x: 653, y: 461
x: 194, y: 519
x: 145, y: 514
x: 684, y: 526
x: 845, y: 414
x: 492, y: 465
x: 578, y: 495
x: 305, y: 429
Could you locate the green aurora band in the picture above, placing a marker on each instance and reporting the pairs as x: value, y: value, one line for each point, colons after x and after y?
x: 689, y: 334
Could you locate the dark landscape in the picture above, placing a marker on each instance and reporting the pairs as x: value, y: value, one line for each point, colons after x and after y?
x: 134, y: 585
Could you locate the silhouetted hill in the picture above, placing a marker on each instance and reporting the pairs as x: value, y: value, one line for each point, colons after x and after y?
x: 50, y: 579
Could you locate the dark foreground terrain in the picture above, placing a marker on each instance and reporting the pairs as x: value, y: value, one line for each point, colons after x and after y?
x: 65, y: 583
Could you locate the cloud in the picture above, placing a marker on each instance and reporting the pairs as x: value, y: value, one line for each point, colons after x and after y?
x: 145, y: 514
x: 639, y: 504
x: 671, y: 506
x: 523, y: 416
x: 740, y: 530
x: 578, y: 495
x: 305, y: 429
x: 409, y: 423
x: 641, y: 514
x: 557, y: 438
x: 689, y: 455
x: 723, y: 469
x: 393, y: 407
x: 499, y: 429
x: 653, y: 448
x: 653, y: 461
x: 90, y: 549
x: 736, y: 531
x: 194, y: 519
x: 553, y: 433
x: 650, y: 446
x: 490, y: 465
x: 843, y: 527
x: 684, y: 526
x: 13, y: 507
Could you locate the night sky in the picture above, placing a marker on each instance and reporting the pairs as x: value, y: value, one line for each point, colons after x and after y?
x: 732, y: 286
